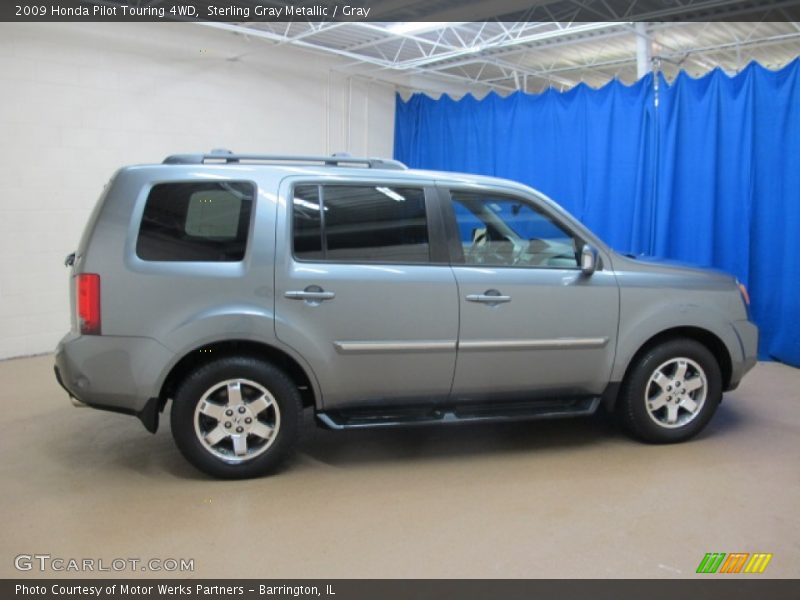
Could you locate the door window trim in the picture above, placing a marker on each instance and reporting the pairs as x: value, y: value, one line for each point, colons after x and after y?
x: 437, y: 244
x: 454, y: 245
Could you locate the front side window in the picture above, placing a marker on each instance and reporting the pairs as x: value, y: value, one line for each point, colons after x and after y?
x: 360, y: 223
x: 197, y: 221
x: 504, y: 231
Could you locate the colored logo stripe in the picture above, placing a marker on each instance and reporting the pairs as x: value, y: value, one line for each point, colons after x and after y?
x: 711, y: 562
x: 734, y: 562
x: 758, y: 562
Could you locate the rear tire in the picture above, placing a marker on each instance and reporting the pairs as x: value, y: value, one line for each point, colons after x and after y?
x: 671, y: 392
x: 236, y: 417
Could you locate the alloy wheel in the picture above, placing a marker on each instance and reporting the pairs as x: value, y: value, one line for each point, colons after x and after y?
x: 676, y: 392
x: 237, y: 420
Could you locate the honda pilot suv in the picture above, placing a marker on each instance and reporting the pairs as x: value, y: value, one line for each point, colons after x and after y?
x: 246, y: 288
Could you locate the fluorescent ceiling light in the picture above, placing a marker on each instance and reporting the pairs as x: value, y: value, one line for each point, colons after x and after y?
x: 307, y: 204
x: 408, y: 27
x: 391, y: 194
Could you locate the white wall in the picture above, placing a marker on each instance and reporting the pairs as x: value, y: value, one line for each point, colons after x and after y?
x: 79, y: 100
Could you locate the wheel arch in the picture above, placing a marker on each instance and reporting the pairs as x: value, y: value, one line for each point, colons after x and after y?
x: 707, y: 338
x: 201, y: 355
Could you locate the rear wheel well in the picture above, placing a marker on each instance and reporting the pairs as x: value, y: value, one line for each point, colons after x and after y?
x: 715, y: 345
x: 210, y: 352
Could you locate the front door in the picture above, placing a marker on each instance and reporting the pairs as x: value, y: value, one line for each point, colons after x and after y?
x: 363, y: 290
x: 532, y: 324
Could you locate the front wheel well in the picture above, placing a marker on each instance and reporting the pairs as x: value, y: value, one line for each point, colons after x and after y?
x: 715, y: 345
x: 209, y: 352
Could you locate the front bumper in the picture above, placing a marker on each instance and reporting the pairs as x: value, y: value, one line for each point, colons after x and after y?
x: 113, y: 373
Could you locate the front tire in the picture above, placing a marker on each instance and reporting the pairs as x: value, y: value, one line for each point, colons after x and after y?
x: 236, y: 417
x: 671, y: 392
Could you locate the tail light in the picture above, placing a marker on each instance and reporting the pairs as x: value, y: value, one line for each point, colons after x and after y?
x: 87, y: 296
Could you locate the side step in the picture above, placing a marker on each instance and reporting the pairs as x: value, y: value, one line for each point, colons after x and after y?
x: 392, y: 416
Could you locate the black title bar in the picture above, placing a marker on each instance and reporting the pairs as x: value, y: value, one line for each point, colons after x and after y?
x: 712, y: 587
x: 277, y: 11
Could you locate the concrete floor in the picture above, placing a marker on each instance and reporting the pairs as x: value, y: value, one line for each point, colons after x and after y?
x: 539, y: 499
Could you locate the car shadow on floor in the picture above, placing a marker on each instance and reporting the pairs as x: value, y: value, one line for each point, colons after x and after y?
x: 122, y: 443
x: 353, y: 447
x: 434, y: 442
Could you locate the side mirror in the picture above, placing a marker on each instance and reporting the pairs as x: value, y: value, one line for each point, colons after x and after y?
x: 589, y: 259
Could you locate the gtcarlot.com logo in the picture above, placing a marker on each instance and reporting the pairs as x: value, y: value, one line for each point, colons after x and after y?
x: 735, y: 562
x: 47, y: 562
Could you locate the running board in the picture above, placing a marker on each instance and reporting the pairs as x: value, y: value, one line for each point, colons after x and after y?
x: 377, y: 416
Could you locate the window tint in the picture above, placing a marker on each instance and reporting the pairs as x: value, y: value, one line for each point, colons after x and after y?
x: 203, y: 221
x: 213, y: 214
x: 360, y: 224
x: 505, y: 231
x: 307, y: 223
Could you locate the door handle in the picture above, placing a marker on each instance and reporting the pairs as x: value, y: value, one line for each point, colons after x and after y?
x: 489, y: 297
x: 312, y: 294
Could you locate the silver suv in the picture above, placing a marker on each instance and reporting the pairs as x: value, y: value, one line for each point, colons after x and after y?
x: 246, y: 288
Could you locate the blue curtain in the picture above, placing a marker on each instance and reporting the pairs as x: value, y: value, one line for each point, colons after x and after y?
x: 590, y: 150
x: 710, y: 176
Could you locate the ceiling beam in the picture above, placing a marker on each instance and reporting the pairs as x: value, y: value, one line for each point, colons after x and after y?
x: 274, y: 37
x: 679, y: 53
x: 527, y: 39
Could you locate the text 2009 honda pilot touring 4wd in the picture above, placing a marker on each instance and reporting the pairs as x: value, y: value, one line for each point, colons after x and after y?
x: 246, y: 288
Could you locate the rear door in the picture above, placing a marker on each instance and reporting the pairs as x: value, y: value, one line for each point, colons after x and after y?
x: 532, y: 324
x: 364, y: 291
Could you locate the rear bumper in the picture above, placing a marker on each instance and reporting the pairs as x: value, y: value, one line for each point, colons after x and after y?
x: 747, y: 333
x: 117, y: 374
x: 75, y: 401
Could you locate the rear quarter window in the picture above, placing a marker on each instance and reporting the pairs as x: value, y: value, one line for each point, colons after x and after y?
x: 206, y: 221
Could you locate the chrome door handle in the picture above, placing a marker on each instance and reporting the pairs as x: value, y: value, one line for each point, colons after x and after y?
x: 489, y: 297
x: 312, y: 293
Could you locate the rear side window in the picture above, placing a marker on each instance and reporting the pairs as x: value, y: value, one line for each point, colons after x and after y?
x: 360, y: 223
x: 200, y: 221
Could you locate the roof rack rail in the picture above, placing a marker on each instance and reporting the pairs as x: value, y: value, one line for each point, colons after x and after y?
x: 226, y: 156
